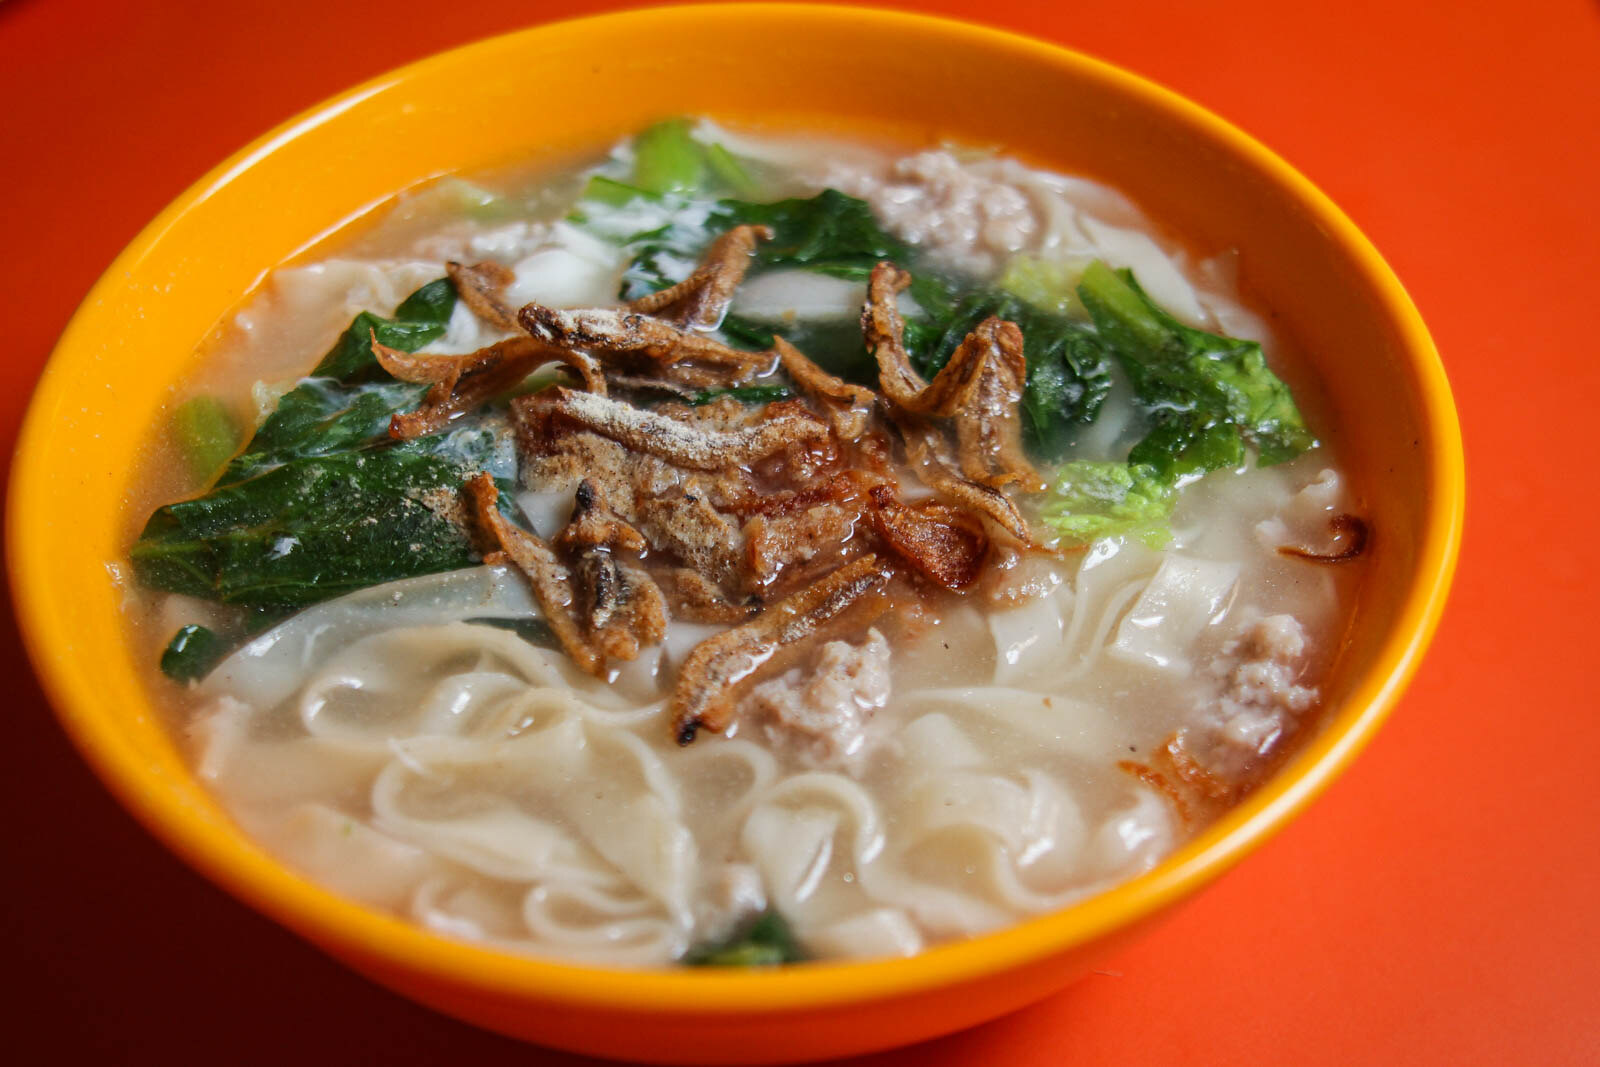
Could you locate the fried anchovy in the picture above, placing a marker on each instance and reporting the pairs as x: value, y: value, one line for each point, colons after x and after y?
x: 678, y: 442
x: 703, y: 697
x: 482, y: 287
x: 623, y: 332
x: 459, y: 384
x: 849, y: 407
x: 552, y: 584
x: 701, y: 299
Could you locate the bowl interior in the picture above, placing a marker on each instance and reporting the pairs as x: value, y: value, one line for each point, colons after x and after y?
x: 1382, y: 392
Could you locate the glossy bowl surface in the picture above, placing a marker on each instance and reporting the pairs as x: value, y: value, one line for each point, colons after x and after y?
x: 548, y: 91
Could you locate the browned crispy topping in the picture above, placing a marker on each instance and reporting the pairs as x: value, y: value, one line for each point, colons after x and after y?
x: 786, y: 544
x: 943, y: 544
x: 678, y: 442
x: 884, y: 332
x: 1189, y: 787
x: 482, y: 287
x: 1347, y: 530
x: 641, y: 384
x: 459, y: 383
x: 926, y: 450
x: 978, y: 390
x: 617, y: 331
x: 848, y: 407
x: 957, y: 384
x: 588, y: 368
x: 622, y: 607
x: 552, y: 585
x: 989, y: 424
x: 594, y: 525
x: 701, y: 299
x: 709, y: 511
x: 692, y: 596
x: 604, y: 605
x: 685, y: 522
x: 704, y: 695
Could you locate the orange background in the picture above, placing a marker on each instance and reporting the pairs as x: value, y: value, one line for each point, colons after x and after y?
x: 1439, y: 905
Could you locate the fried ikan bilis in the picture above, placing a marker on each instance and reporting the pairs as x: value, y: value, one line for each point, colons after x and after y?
x: 780, y: 520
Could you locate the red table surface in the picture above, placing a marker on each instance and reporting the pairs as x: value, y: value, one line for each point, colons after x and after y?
x: 1436, y: 906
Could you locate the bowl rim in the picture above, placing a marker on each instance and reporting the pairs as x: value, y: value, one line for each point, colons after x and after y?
x: 353, y: 930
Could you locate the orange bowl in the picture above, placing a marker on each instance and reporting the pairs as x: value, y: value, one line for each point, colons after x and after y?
x: 543, y: 93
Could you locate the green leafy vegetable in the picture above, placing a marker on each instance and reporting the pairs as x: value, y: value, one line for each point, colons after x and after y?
x: 748, y: 394
x: 309, y: 530
x: 422, y: 317
x: 322, y: 416
x: 1206, y: 395
x: 1047, y: 284
x: 206, y: 433
x: 1205, y: 398
x: 667, y: 160
x: 322, y: 501
x: 612, y: 193
x: 764, y: 942
x: 191, y: 654
x: 830, y: 233
x: 1091, y: 500
x: 730, y: 172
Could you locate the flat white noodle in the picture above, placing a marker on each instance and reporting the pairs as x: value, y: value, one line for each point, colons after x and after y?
x: 361, y: 860
x: 1025, y: 636
x: 590, y: 923
x: 380, y: 686
x: 805, y: 835
x: 455, y: 906
x: 1133, y: 838
x: 216, y: 734
x: 1184, y: 596
x: 1062, y: 724
x: 272, y: 666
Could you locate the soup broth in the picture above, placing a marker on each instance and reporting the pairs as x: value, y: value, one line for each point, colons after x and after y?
x: 962, y: 647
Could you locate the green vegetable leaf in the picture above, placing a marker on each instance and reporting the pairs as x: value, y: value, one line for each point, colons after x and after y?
x: 421, y: 317
x: 474, y: 200
x: 1047, y: 284
x: 1092, y: 499
x: 322, y: 501
x: 322, y: 416
x: 830, y: 233
x: 667, y: 160
x: 310, y: 529
x: 747, y: 394
x: 612, y: 193
x: 206, y: 433
x: 763, y: 942
x: 669, y: 165
x: 727, y: 169
x: 1202, y: 391
x: 191, y: 654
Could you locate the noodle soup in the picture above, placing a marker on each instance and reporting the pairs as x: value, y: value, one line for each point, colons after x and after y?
x: 742, y: 549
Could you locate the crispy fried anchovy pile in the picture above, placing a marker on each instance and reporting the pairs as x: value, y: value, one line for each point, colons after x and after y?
x: 785, y: 521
